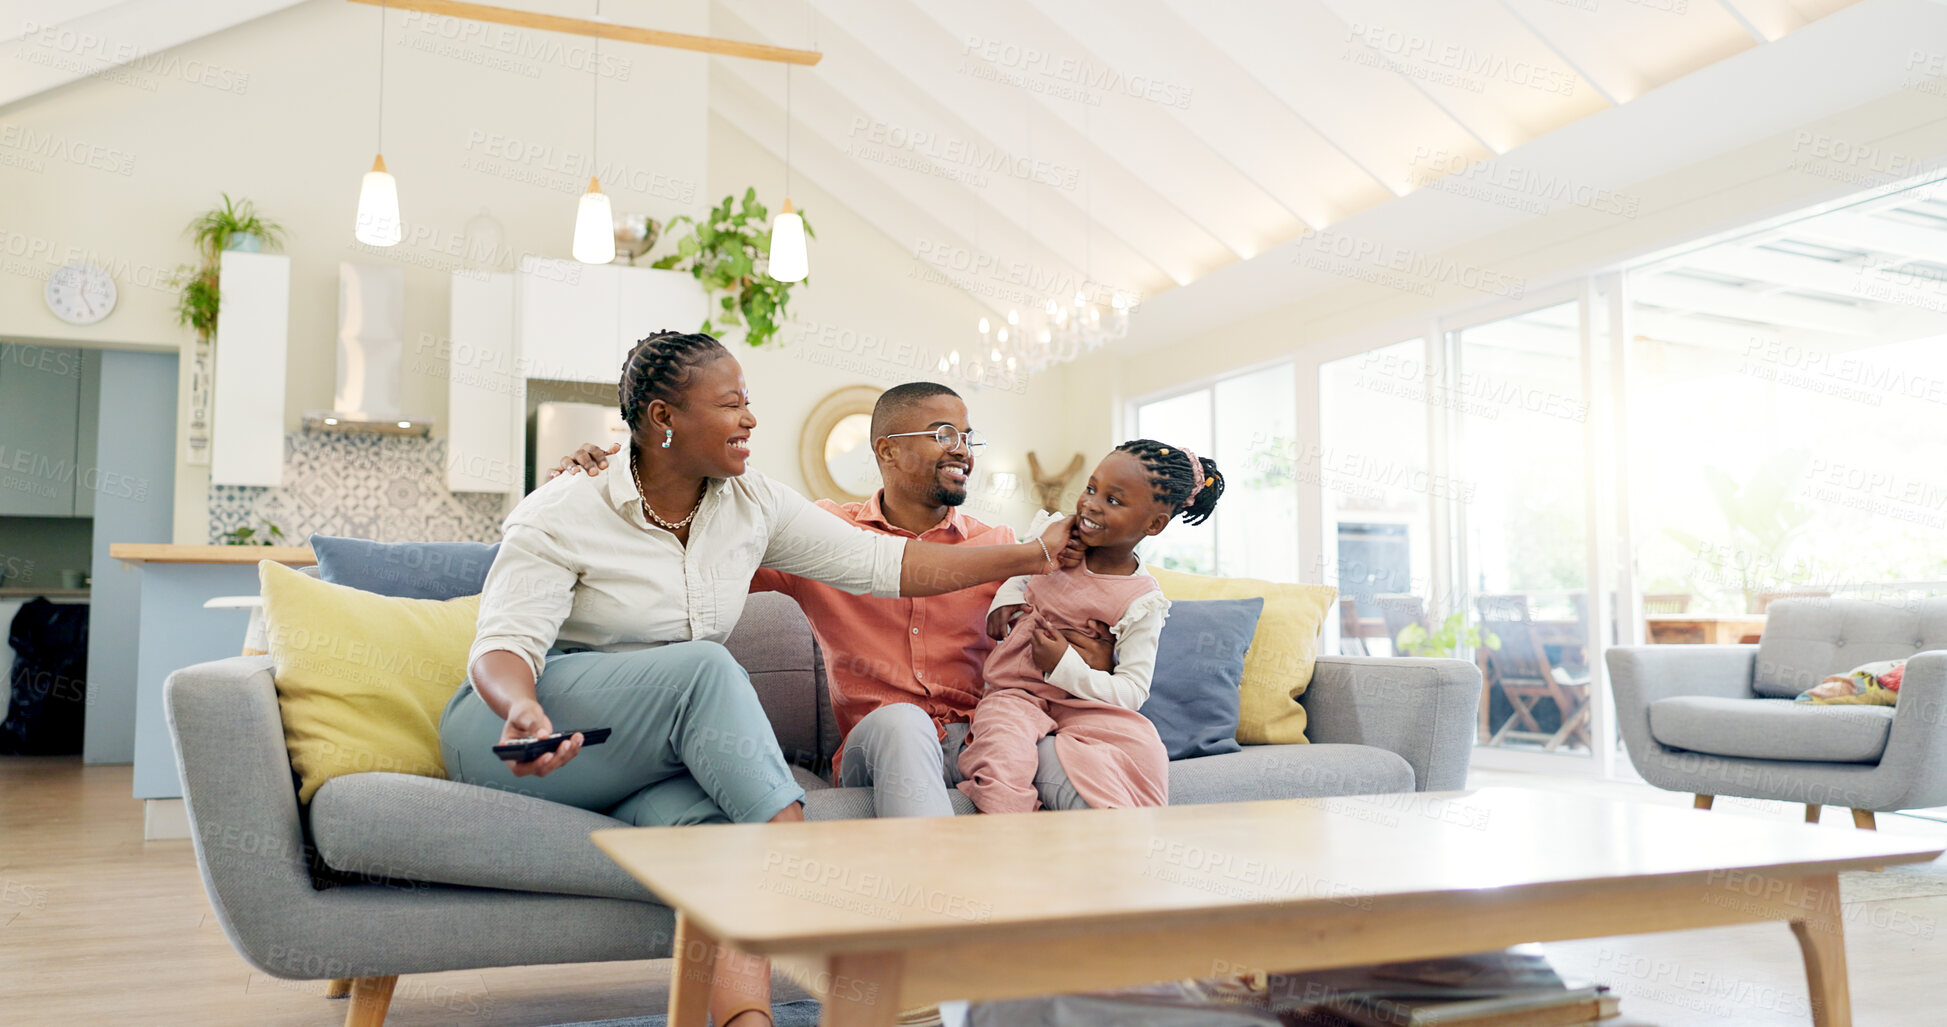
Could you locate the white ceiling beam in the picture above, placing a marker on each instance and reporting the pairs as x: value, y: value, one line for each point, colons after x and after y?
x: 1850, y: 229
x: 1690, y: 294
x: 934, y: 62
x: 1231, y: 114
x: 906, y: 224
x: 90, y: 38
x: 956, y: 170
x: 990, y: 243
x: 1133, y: 137
x: 1738, y: 16
x: 1805, y: 274
x: 1299, y: 51
x: 1556, y: 49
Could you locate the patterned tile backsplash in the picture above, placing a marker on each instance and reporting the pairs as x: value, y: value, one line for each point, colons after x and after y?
x: 386, y: 487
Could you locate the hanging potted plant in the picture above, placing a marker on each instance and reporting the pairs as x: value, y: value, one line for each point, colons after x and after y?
x: 728, y: 253
x: 234, y: 226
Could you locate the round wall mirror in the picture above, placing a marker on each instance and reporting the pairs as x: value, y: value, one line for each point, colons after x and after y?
x: 835, y: 452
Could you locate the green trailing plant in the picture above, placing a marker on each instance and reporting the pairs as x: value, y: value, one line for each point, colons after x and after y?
x: 198, y: 293
x: 197, y: 299
x: 1415, y: 640
x: 725, y: 252
x: 272, y: 535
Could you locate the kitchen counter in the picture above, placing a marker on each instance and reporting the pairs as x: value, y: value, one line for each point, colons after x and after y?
x: 176, y: 630
x: 148, y: 552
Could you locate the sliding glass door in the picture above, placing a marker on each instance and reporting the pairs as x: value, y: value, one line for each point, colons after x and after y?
x: 1517, y: 413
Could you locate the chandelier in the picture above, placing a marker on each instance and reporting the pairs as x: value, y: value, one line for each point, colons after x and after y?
x: 1008, y: 352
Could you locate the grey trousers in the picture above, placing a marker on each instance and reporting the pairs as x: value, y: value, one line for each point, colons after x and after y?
x: 896, y: 751
x: 691, y: 744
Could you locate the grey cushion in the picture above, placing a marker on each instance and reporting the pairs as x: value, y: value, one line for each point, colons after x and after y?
x: 397, y: 827
x: 856, y: 803
x: 1288, y: 772
x: 1193, y: 696
x: 772, y: 642
x: 1806, y: 640
x: 414, y: 570
x: 1774, y: 729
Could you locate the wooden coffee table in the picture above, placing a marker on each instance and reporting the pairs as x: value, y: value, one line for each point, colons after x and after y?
x: 875, y: 916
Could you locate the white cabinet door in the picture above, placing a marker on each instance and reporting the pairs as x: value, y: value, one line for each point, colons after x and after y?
x: 653, y: 300
x: 485, y: 389
x: 567, y: 320
x: 253, y: 327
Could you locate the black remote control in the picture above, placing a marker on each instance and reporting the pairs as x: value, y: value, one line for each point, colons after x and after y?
x: 523, y: 750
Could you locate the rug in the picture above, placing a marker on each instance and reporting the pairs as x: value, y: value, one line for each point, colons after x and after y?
x: 802, y: 1013
x: 1906, y: 881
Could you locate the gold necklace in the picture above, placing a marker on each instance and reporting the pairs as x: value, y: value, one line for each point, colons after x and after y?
x: 651, y: 511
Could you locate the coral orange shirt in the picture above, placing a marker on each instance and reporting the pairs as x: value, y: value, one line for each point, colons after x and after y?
x: 928, y: 651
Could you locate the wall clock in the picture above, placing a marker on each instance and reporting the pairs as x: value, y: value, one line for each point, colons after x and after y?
x: 80, y: 293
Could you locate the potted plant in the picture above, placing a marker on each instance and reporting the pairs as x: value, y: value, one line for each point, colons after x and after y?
x: 728, y: 252
x: 234, y: 226
x: 1414, y: 639
x: 272, y: 535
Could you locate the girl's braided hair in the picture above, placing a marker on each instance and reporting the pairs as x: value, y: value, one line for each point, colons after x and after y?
x: 660, y: 367
x: 1171, y: 475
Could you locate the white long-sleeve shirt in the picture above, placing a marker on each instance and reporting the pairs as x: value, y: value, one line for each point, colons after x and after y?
x: 1137, y: 635
x: 581, y: 566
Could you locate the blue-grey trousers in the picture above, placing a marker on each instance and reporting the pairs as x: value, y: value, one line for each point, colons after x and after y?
x: 896, y: 751
x: 690, y: 742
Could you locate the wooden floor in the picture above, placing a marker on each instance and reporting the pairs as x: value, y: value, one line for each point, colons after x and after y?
x: 98, y: 926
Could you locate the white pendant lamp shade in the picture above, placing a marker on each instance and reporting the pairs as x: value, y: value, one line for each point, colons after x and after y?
x: 378, y: 207
x: 789, y: 262
x: 595, y: 227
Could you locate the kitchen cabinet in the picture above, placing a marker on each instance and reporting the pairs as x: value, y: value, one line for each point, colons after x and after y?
x: 253, y: 328
x: 40, y: 398
x: 578, y: 321
x: 552, y: 319
x: 485, y: 389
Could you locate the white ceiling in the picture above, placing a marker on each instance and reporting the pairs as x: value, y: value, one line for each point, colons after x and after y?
x: 1020, y: 147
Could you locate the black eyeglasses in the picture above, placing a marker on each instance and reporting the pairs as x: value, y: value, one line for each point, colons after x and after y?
x: 949, y: 438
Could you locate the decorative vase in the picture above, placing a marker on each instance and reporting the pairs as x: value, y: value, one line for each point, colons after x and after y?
x: 245, y: 242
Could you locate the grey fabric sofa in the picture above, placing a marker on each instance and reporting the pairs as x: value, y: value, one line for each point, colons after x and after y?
x: 1720, y: 720
x: 439, y: 868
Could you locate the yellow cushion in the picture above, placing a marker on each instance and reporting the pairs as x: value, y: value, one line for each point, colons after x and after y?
x: 1278, y: 668
x: 361, y: 678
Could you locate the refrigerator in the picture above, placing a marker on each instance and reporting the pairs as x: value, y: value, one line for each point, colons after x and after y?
x: 560, y: 428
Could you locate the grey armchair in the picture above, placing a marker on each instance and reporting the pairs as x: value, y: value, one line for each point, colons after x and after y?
x: 1719, y: 719
x: 425, y: 871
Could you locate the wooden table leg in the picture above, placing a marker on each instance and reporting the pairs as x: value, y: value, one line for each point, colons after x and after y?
x: 689, y: 982
x: 1821, y: 937
x: 864, y: 991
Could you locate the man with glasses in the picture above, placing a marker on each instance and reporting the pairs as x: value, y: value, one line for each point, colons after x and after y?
x: 905, y: 674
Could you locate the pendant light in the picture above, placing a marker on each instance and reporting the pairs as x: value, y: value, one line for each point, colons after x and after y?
x: 378, y: 194
x: 789, y: 261
x: 595, y: 219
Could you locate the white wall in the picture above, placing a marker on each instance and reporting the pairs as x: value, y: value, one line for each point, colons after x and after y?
x: 282, y: 110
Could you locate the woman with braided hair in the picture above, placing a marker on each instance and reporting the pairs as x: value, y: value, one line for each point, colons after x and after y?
x: 1038, y: 684
x: 611, y: 596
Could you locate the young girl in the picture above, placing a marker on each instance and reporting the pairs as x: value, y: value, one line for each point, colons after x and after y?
x: 1037, y: 684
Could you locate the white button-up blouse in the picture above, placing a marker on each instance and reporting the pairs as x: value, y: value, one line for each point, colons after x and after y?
x: 580, y: 566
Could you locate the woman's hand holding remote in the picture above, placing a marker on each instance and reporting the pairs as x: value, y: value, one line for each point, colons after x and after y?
x: 526, y: 719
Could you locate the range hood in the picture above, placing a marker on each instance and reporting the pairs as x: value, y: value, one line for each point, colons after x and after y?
x: 371, y: 355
